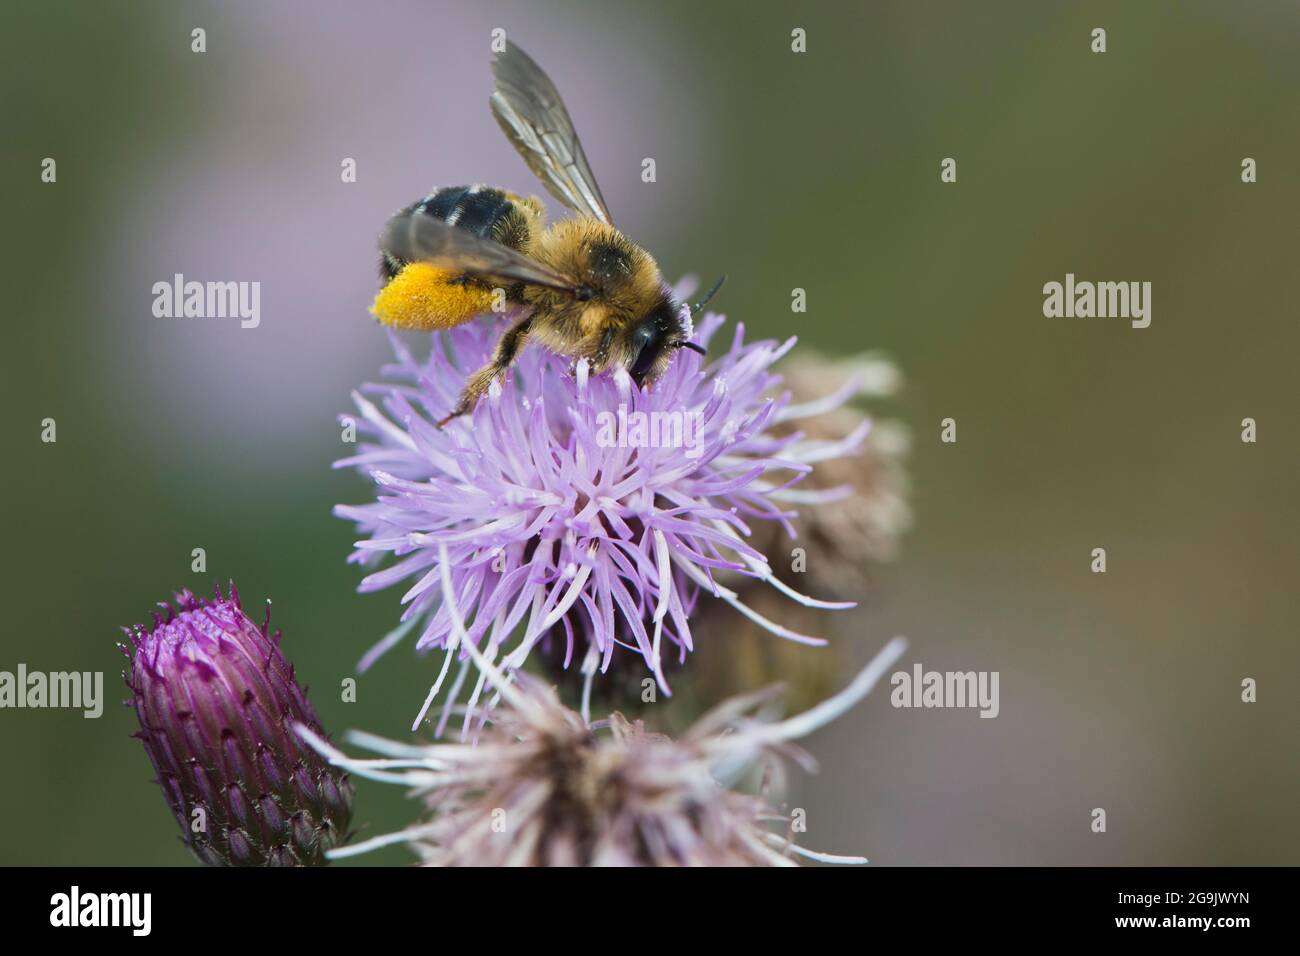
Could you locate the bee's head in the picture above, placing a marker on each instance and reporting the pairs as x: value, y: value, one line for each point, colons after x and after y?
x: 652, y: 341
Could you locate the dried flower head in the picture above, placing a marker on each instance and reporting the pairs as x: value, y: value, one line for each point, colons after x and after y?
x: 846, y: 536
x: 841, y: 543
x: 218, y: 704
x: 542, y: 787
x: 579, y: 508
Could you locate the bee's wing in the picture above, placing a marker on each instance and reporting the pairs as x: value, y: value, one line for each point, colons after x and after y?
x: 530, y: 111
x: 418, y: 237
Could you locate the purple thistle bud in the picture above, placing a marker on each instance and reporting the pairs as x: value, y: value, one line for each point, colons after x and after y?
x: 218, y: 704
x: 578, y: 509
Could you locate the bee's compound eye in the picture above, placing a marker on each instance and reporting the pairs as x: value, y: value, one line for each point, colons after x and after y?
x: 646, y: 344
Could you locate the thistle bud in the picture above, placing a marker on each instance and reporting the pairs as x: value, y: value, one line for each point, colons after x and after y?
x: 217, y: 704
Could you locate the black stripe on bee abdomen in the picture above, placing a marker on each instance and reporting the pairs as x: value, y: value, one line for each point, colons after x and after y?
x: 483, y: 210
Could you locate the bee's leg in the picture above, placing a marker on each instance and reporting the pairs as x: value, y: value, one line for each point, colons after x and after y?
x: 601, y: 358
x: 507, y: 348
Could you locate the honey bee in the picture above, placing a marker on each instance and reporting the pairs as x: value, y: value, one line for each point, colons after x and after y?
x: 584, y: 289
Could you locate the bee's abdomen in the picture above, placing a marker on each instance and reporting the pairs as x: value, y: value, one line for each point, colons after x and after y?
x: 422, y: 295
x: 483, y: 210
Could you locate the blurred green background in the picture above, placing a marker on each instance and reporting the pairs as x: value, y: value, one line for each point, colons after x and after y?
x: 818, y: 170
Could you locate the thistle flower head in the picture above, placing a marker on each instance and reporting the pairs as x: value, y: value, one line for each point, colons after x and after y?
x: 577, y: 508
x: 542, y: 787
x: 217, y: 704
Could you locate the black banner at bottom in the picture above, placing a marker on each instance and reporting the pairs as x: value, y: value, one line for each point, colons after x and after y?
x: 340, y: 904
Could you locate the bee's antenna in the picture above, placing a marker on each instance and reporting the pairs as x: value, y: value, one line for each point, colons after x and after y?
x: 694, y: 347
x: 709, y: 295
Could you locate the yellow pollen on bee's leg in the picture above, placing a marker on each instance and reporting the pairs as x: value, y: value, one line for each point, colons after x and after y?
x: 422, y: 296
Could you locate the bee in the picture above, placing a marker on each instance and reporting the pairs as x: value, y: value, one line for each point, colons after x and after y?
x: 583, y: 288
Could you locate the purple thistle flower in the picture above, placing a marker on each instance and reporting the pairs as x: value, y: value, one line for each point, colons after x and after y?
x: 218, y: 705
x: 576, y: 507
